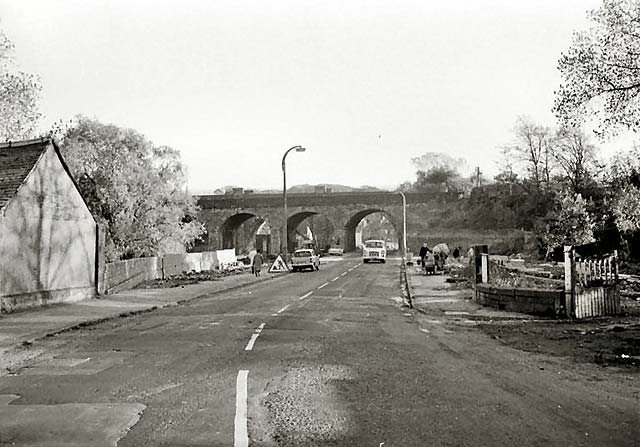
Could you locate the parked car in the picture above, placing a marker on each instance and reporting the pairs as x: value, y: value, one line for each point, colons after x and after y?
x: 374, y: 250
x: 336, y: 251
x: 305, y: 258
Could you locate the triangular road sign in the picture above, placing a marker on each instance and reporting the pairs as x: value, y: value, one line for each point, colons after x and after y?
x: 279, y: 266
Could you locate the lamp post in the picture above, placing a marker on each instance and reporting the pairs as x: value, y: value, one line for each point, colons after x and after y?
x: 284, y: 243
x: 404, y: 224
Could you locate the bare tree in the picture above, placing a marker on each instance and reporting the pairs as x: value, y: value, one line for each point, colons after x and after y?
x: 532, y: 148
x: 576, y: 157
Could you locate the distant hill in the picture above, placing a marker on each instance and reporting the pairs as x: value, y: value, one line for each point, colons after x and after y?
x: 332, y: 187
x: 297, y: 189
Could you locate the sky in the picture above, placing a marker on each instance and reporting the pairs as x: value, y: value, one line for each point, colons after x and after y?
x: 364, y: 85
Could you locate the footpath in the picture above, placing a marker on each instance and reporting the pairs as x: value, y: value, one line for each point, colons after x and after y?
x: 433, y: 296
x: 19, y: 331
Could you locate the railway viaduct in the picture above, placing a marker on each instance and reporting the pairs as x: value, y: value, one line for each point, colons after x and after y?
x: 224, y: 214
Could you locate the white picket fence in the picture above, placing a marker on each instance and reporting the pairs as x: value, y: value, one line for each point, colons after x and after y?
x: 591, y: 285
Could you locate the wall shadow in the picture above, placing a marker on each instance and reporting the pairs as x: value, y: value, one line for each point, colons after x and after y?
x: 48, y: 240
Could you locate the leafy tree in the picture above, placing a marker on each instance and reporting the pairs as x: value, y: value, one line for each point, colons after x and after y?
x: 430, y: 160
x: 624, y: 183
x: 626, y: 209
x: 601, y: 70
x: 134, y: 186
x: 567, y: 223
x: 405, y: 187
x: 19, y: 95
x: 438, y: 172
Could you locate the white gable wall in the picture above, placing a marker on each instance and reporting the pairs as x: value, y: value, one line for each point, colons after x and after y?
x: 47, y: 236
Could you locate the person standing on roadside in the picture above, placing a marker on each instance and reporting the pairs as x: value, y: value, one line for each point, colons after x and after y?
x: 257, y: 263
x: 423, y: 253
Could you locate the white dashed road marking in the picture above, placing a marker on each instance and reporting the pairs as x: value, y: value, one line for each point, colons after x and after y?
x: 305, y: 295
x: 323, y: 285
x: 241, y: 435
x: 344, y: 273
x: 254, y: 337
x: 283, y: 309
x: 335, y: 279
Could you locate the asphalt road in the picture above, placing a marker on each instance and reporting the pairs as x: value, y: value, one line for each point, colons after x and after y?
x: 310, y: 359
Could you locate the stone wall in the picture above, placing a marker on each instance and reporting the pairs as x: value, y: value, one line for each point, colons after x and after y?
x: 529, y: 301
x: 123, y: 275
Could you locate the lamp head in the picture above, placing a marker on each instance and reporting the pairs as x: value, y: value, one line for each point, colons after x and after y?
x: 300, y: 149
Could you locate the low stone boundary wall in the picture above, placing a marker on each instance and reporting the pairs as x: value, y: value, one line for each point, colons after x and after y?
x: 124, y: 275
x: 530, y: 301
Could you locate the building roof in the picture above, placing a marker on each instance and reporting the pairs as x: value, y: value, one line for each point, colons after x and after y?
x: 17, y: 160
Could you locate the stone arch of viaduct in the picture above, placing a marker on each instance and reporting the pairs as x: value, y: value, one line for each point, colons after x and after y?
x: 224, y: 214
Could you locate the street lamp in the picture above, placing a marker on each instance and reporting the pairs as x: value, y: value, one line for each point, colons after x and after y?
x: 404, y: 224
x: 285, y: 242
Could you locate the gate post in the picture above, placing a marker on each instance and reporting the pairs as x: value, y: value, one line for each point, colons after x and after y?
x: 616, y: 290
x: 569, y: 281
x: 485, y: 268
x: 478, y: 250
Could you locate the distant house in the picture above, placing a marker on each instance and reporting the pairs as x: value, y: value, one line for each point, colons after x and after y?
x: 48, y: 237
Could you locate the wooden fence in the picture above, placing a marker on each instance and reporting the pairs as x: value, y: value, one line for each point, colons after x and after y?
x: 590, y: 289
x: 591, y: 285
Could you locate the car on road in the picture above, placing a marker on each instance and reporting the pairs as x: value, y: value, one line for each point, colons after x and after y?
x: 336, y: 251
x: 305, y: 258
x: 374, y: 250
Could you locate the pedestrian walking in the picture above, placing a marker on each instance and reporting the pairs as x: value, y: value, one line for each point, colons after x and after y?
x: 257, y: 263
